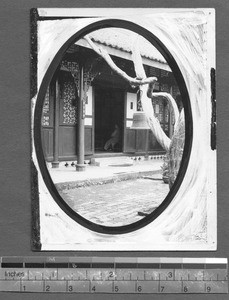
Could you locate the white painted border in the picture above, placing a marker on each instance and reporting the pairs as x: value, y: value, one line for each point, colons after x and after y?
x: 104, y: 11
x: 60, y: 232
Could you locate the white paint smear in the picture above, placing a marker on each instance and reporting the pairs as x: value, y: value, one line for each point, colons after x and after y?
x: 189, y: 222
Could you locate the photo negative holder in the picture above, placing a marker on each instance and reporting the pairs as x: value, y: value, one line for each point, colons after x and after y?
x: 98, y: 182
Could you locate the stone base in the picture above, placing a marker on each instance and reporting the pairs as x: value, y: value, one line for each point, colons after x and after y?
x: 93, y: 162
x: 55, y: 164
x: 80, y: 167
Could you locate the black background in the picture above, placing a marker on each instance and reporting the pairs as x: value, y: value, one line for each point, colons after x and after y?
x: 15, y: 203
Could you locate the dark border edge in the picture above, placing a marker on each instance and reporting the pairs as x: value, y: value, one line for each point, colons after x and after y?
x: 35, y: 208
x: 35, y: 235
x: 33, y: 51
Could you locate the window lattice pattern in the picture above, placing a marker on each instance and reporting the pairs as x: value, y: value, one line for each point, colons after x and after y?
x: 46, y: 110
x: 176, y: 91
x: 165, y: 88
x: 69, y: 103
x: 139, y: 105
x: 154, y: 72
x: 158, y: 105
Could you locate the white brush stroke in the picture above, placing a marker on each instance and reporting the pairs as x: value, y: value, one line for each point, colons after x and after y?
x: 189, y: 222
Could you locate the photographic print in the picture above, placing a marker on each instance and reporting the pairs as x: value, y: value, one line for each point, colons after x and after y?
x: 123, y: 129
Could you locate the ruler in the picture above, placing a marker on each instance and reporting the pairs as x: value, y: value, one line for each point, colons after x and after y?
x: 125, y: 275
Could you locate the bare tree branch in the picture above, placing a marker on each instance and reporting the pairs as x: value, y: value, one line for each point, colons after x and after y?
x: 147, y: 106
x: 153, y: 122
x: 140, y: 72
x: 171, y: 102
x: 136, y: 56
x: 104, y: 54
x: 146, y: 86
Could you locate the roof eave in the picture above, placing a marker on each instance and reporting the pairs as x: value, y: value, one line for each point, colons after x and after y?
x: 127, y: 55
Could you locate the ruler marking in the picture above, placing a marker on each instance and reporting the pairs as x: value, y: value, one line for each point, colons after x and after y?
x: 159, y: 284
x: 130, y: 277
x: 67, y: 285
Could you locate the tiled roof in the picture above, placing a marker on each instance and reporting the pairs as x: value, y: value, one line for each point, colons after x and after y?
x: 121, y: 39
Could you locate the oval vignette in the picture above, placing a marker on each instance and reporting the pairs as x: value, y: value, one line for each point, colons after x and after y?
x: 39, y: 110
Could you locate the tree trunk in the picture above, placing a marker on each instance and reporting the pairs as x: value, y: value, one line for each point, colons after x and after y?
x: 174, y: 147
x: 175, y: 152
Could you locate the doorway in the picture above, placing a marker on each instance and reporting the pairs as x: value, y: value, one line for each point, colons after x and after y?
x: 109, y: 112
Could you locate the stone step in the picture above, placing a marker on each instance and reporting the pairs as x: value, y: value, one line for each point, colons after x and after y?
x: 117, y: 160
x: 121, y: 160
x: 124, y: 160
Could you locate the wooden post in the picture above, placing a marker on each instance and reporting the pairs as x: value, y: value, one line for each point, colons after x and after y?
x: 55, y: 163
x: 147, y: 145
x: 80, y: 166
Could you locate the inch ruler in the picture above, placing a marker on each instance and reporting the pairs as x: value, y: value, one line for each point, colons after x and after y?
x: 114, y: 275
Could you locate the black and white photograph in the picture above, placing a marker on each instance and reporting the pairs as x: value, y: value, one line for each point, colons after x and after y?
x: 123, y: 129
x: 119, y: 154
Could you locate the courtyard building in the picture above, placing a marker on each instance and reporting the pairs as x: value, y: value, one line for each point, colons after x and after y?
x: 86, y: 99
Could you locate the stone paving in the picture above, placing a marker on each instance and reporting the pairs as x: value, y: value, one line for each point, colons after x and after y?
x: 114, y: 191
x: 109, y: 167
x: 117, y: 204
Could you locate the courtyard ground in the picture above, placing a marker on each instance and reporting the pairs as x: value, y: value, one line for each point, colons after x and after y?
x: 118, y: 203
x: 115, y: 191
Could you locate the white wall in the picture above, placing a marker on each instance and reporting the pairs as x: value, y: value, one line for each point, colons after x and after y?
x: 88, y: 118
x: 131, y: 107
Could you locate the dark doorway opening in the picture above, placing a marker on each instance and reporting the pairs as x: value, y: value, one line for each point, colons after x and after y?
x: 109, y: 113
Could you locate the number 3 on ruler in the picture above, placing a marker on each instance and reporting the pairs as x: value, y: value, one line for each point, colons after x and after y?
x: 70, y: 288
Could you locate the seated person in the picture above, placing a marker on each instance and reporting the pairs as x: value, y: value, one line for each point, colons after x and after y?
x: 114, y: 139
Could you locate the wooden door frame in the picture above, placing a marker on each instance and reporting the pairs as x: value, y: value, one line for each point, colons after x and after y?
x: 124, y: 122
x: 122, y: 90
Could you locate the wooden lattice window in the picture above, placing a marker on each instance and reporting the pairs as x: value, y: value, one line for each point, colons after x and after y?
x: 68, y: 101
x: 45, y: 120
